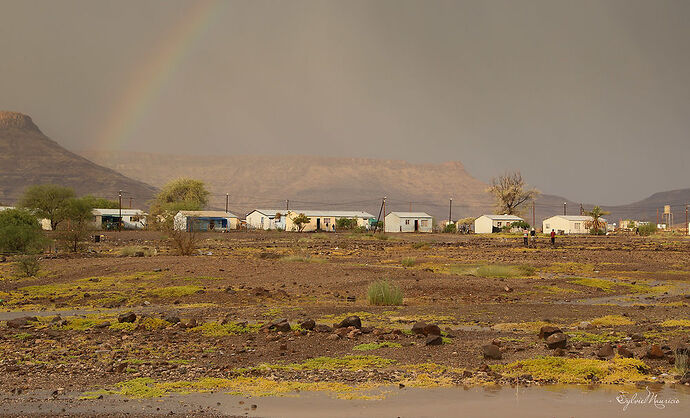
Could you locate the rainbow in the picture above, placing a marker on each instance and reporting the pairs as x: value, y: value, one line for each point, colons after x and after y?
x: 149, y: 80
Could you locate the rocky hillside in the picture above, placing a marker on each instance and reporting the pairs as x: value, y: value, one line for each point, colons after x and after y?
x: 28, y: 157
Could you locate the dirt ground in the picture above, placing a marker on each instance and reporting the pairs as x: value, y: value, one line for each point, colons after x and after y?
x: 215, y: 321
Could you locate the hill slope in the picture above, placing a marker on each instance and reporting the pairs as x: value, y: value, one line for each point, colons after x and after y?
x: 28, y: 157
x: 314, y: 182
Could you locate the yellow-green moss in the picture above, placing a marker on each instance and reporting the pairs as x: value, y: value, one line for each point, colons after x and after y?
x: 611, y: 320
x: 375, y: 346
x: 676, y: 323
x: 577, y: 370
x: 173, y: 291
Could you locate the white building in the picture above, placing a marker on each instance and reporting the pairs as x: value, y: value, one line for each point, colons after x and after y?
x: 409, y: 222
x: 487, y: 224
x: 326, y: 220
x: 205, y: 220
x: 109, y: 218
x: 266, y: 219
x: 567, y: 224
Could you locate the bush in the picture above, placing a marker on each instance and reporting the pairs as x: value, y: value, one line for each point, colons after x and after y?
x: 383, y: 292
x: 28, y: 266
x: 450, y: 229
x: 682, y: 363
x: 647, y: 229
x: 520, y: 225
x: 20, y: 232
x: 346, y: 223
x: 597, y: 231
x: 408, y: 261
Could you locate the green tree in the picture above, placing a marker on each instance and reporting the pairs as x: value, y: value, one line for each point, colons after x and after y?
x: 511, y: 193
x: 20, y: 232
x: 597, y: 225
x: 78, y: 225
x: 346, y: 223
x: 301, y: 221
x: 47, y: 201
x: 101, y: 202
x: 180, y: 194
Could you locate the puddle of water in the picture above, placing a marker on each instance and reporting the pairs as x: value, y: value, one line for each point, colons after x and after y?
x: 546, y: 401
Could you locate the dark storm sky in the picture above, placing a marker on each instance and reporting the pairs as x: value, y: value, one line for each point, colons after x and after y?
x: 589, y: 99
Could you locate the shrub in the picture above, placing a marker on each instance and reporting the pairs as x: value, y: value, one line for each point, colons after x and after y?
x: 682, y: 363
x: 383, y: 292
x: 185, y: 241
x: 28, y: 266
x: 20, y: 232
x: 408, y: 261
x: 450, y: 229
x: 520, y: 225
x: 346, y: 223
x: 647, y: 229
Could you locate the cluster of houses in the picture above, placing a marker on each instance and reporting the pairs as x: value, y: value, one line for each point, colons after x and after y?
x: 325, y: 220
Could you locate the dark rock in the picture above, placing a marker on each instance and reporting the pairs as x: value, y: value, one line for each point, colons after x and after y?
x: 102, y: 325
x: 624, y: 352
x: 322, y: 328
x: 22, y: 322
x: 546, y: 331
x: 308, y: 324
x: 636, y: 337
x: 655, y: 352
x: 605, y: 351
x: 492, y: 351
x: 557, y: 340
x: 188, y: 323
x: 434, y: 340
x: 351, y: 321
x: 559, y: 352
x: 173, y: 319
x: 281, y: 325
x: 127, y: 317
x: 422, y: 328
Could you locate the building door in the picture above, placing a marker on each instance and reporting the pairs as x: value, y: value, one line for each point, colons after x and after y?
x: 416, y: 225
x: 318, y: 224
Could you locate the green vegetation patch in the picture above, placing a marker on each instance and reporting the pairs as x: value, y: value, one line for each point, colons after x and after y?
x: 676, y: 323
x: 173, y: 291
x: 577, y: 370
x: 500, y: 271
x: 383, y: 292
x: 588, y: 337
x: 611, y: 321
x: 303, y: 259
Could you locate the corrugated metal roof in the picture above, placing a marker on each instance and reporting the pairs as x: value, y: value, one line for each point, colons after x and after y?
x: 504, y: 217
x: 113, y: 212
x: 410, y: 214
x: 271, y: 213
x: 207, y: 214
x: 334, y: 213
x: 577, y: 218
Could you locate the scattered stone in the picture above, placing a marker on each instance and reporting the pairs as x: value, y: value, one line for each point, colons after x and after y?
x: 173, y: 319
x: 492, y: 351
x: 281, y: 325
x: 559, y: 352
x: 434, y: 340
x: 333, y: 337
x: 23, y: 322
x: 102, y: 325
x: 422, y: 328
x: 322, y: 328
x: 655, y: 352
x: 624, y: 352
x: 127, y: 317
x: 188, y: 323
x: 351, y: 321
x: 548, y: 330
x: 308, y: 324
x: 605, y: 351
x: 585, y: 325
x: 557, y: 340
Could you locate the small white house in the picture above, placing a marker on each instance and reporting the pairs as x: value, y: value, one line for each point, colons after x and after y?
x: 409, y: 222
x: 569, y: 224
x: 109, y: 218
x: 326, y: 220
x: 487, y: 224
x: 205, y: 220
x: 266, y: 219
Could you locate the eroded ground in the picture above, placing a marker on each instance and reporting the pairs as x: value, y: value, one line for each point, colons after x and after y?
x: 201, y: 321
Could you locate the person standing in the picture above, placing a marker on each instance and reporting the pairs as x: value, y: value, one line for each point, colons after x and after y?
x: 553, y: 237
x: 533, y: 237
x: 525, y: 237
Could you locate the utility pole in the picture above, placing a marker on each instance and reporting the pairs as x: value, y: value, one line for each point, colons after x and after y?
x: 450, y: 212
x: 657, y: 216
x: 687, y: 225
x: 130, y: 202
x: 565, y: 211
x: 384, y: 214
x: 582, y: 210
x: 534, y: 217
x: 287, y: 205
x: 227, y: 201
x: 119, y: 200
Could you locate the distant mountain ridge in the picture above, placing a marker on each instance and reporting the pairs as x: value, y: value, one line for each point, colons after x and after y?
x: 28, y: 157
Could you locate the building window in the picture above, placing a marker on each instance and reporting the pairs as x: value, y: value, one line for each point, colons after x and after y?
x: 407, y: 221
x: 498, y: 224
x: 424, y: 223
x: 577, y: 226
x: 134, y: 219
x: 547, y: 226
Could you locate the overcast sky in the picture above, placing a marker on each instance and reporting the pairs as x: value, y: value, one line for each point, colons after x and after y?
x: 589, y: 99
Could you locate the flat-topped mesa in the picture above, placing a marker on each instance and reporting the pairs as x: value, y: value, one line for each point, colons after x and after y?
x: 16, y: 120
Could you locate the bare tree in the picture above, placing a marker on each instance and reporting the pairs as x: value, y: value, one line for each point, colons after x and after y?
x: 511, y: 192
